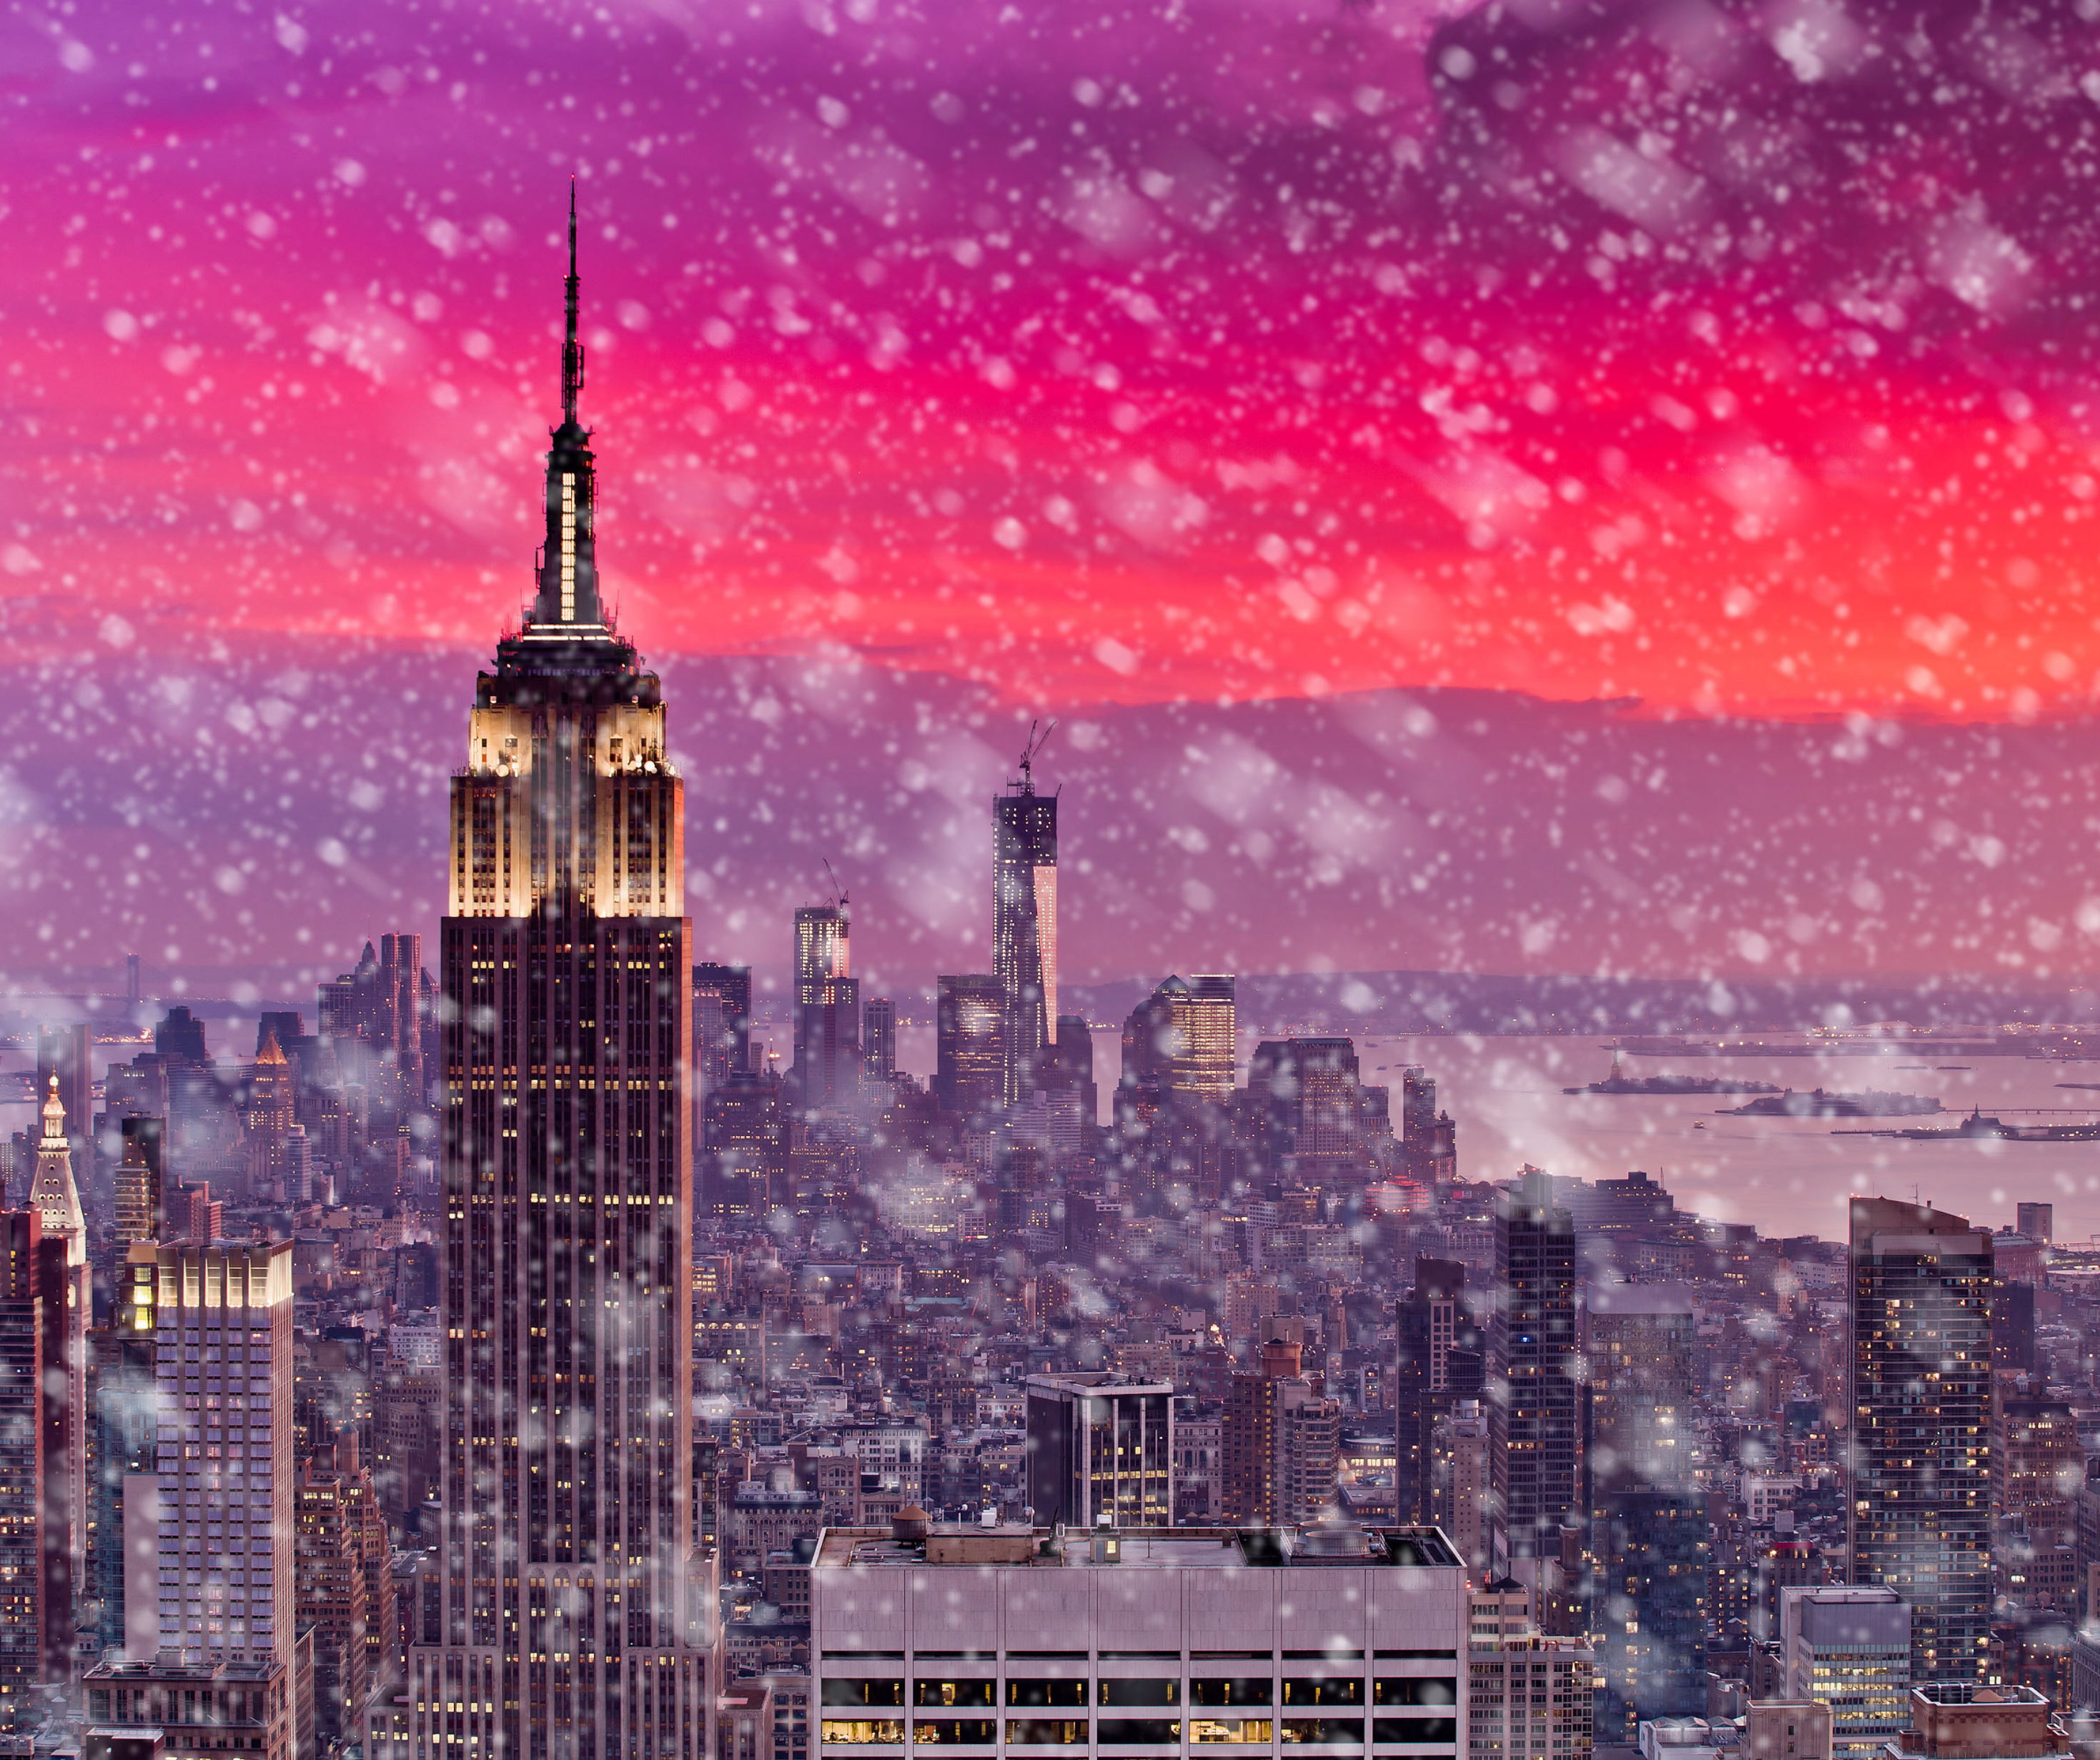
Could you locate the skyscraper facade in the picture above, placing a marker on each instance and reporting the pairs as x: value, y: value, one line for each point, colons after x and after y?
x: 969, y: 1036
x: 63, y: 1282
x: 878, y: 1041
x: 1918, y: 1519
x: 1180, y: 1040
x: 1100, y: 1446
x: 1531, y: 1379
x: 141, y: 1199
x: 21, y: 1460
x: 1025, y: 927
x: 1438, y: 1360
x: 823, y: 953
x: 567, y: 1457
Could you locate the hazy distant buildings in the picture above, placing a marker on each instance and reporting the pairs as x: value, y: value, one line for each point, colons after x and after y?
x: 969, y: 1067
x: 721, y: 1022
x: 878, y: 1044
x: 1918, y: 1390
x: 1025, y: 925
x: 1532, y: 1379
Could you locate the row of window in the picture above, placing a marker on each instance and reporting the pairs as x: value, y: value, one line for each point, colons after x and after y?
x: 1253, y: 1690
x: 1135, y: 1732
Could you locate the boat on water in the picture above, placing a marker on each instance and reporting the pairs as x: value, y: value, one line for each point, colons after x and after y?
x: 1980, y: 1126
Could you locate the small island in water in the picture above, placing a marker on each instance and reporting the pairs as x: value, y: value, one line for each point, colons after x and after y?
x: 1818, y: 1102
x: 1618, y: 1082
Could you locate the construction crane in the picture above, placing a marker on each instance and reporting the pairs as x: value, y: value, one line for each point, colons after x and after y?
x: 838, y: 892
x: 1033, y: 750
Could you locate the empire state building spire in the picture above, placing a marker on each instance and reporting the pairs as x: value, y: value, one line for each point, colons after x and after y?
x: 568, y: 562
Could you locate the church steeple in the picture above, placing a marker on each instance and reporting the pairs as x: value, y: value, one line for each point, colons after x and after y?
x: 568, y: 563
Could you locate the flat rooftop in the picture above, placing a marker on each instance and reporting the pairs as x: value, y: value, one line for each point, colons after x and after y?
x: 1104, y: 1549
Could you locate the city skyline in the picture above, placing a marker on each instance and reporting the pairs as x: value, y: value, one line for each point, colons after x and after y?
x: 1533, y: 506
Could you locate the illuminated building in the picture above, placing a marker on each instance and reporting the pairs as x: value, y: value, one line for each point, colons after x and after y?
x: 223, y: 1358
x: 969, y: 1055
x: 1100, y: 1446
x: 823, y: 953
x: 1025, y: 926
x: 1179, y: 1041
x: 722, y: 1021
x: 1918, y: 1387
x: 569, y: 1603
x: 1438, y: 1361
x: 267, y: 1120
x: 1850, y: 1648
x: 64, y: 1274
x: 1280, y: 1441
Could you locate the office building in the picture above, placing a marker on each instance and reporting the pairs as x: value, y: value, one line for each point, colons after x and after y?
x: 1460, y: 1482
x: 66, y: 1305
x: 1851, y: 1649
x: 721, y: 1022
x: 1012, y: 1638
x: 1529, y: 1698
x: 222, y: 1320
x: 823, y: 953
x: 969, y: 1056
x: 1100, y: 1447
x: 1438, y: 1360
x: 376, y: 1011
x: 1280, y: 1441
x: 1919, y: 1391
x: 828, y: 1051
x: 1965, y: 1720
x: 1181, y: 1043
x: 126, y: 1422
x: 879, y: 1042
x: 344, y: 1587
x: 1025, y: 926
x: 1787, y: 1729
x: 21, y: 1458
x: 141, y: 1176
x: 570, y: 1609
x: 1533, y: 1401
x: 2037, y: 1221
x: 744, y: 1150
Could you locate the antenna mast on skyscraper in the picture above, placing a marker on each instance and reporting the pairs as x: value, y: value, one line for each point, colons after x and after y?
x: 1031, y: 751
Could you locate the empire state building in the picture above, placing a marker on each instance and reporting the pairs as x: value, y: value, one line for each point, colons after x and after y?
x: 574, y: 1614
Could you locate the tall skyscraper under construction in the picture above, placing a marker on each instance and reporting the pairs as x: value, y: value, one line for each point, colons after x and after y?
x: 1025, y: 923
x: 571, y: 1610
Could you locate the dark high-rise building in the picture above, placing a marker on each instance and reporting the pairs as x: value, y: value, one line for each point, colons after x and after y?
x: 1100, y: 1445
x: 141, y: 1182
x: 126, y: 1420
x: 1428, y: 1139
x: 1438, y: 1360
x: 827, y: 1055
x: 970, y: 1044
x: 1025, y: 925
x: 570, y: 1605
x: 1533, y: 1415
x: 134, y: 981
x: 2037, y: 1221
x: 1648, y: 1540
x: 745, y: 1149
x: 1918, y: 1388
x: 21, y: 1459
x: 721, y: 1020
x: 180, y: 1034
x: 381, y: 1003
x: 1315, y: 1111
x: 879, y: 1040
